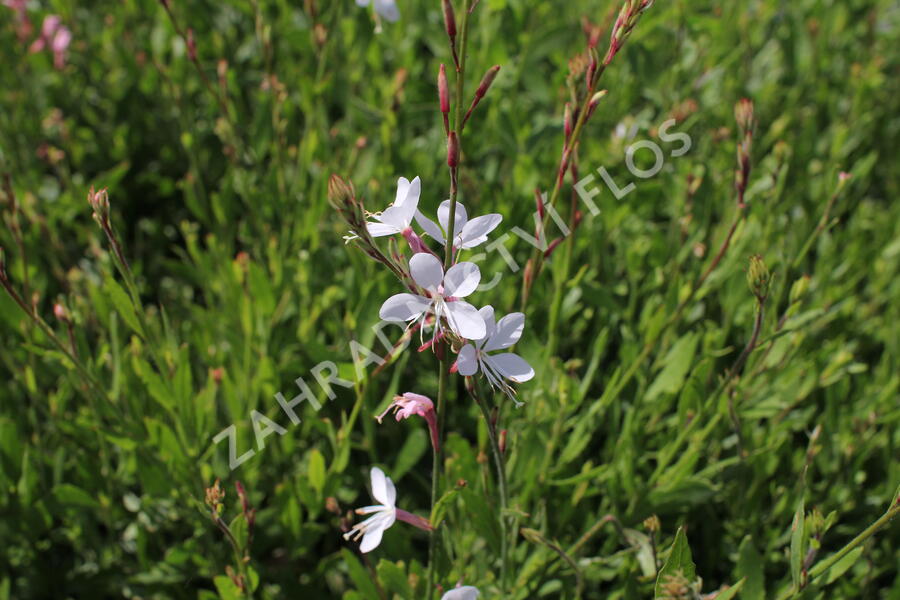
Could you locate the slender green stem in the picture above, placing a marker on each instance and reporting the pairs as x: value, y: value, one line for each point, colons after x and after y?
x: 437, y: 463
x: 478, y: 396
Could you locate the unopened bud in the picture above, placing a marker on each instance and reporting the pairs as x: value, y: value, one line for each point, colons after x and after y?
x: 652, y: 523
x: 443, y: 90
x: 567, y: 120
x: 449, y: 19
x: 743, y: 114
x: 758, y: 277
x: 214, y: 496
x: 191, y: 45
x: 539, y: 202
x: 552, y: 247
x: 340, y: 193
x: 596, y: 98
x: 486, y: 81
x: 502, y: 442
x: 452, y: 150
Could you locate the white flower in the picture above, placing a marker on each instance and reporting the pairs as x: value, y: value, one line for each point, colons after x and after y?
x: 398, y: 217
x: 383, y: 516
x: 386, y: 8
x: 443, y: 300
x: 466, y: 592
x: 466, y: 234
x: 496, y: 367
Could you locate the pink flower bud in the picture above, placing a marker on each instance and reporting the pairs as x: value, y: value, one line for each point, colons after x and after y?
x: 452, y: 150
x: 449, y: 19
x: 443, y: 90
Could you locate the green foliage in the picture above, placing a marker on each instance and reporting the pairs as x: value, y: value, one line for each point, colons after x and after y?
x: 217, y: 175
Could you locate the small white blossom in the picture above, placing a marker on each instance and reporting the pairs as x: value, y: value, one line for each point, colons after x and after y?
x: 496, y: 367
x: 466, y: 592
x: 383, y: 516
x: 466, y: 234
x: 387, y: 9
x: 443, y: 300
x: 398, y: 217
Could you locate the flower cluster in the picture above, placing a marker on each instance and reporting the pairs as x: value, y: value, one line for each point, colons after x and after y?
x: 435, y: 300
x: 437, y: 296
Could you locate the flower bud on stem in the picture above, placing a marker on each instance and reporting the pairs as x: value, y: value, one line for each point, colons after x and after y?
x: 483, y: 87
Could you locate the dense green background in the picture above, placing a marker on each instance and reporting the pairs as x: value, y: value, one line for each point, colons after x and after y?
x: 223, y: 217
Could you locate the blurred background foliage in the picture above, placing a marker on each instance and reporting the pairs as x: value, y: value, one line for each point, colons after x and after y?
x: 217, y: 172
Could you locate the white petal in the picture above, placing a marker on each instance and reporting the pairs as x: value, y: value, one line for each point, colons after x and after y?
x: 512, y: 366
x: 426, y: 270
x: 465, y: 320
x: 403, y: 307
x: 490, y: 325
x: 444, y: 216
x: 387, y: 9
x: 382, y: 487
x: 509, y: 330
x: 466, y: 592
x: 380, y: 229
x: 475, y: 232
x: 371, y: 539
x: 430, y: 227
x: 410, y: 202
x: 362, y: 2
x: 466, y: 363
x: 461, y: 280
x: 395, y: 216
x: 402, y: 185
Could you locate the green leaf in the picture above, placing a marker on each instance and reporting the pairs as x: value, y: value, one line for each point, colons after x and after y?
x: 413, y: 448
x: 123, y: 305
x: 393, y: 577
x: 317, y: 470
x: 360, y: 576
x: 226, y: 588
x: 751, y: 568
x: 71, y: 495
x: 679, y: 562
x: 843, y: 565
x: 678, y: 362
x: 732, y: 592
x: 441, y: 506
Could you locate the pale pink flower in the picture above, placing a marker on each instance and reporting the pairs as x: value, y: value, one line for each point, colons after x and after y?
x: 54, y: 36
x: 410, y: 404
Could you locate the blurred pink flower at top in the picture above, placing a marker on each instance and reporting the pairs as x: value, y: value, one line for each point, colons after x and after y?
x: 56, y: 37
x: 23, y: 25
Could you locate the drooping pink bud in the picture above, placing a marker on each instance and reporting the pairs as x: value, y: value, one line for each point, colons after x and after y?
x: 191, y: 45
x: 449, y: 20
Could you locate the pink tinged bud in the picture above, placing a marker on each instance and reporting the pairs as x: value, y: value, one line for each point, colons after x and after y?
x: 443, y: 90
x: 486, y: 81
x: 552, y: 247
x: 844, y: 176
x: 191, y: 45
x: 539, y: 203
x: 502, y: 442
x: 452, y: 150
x: 567, y: 120
x: 414, y: 520
x: 449, y: 19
